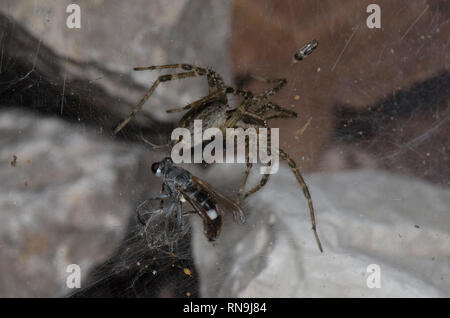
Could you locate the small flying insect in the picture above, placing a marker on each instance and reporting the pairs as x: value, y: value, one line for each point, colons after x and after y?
x: 179, y: 186
x: 305, y: 50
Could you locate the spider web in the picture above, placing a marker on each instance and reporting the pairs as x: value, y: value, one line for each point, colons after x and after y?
x: 152, y: 261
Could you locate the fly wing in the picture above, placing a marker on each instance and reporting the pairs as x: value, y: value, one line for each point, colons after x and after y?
x: 224, y: 204
x: 211, y: 227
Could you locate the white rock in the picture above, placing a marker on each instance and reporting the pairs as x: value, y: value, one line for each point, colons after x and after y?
x: 364, y: 217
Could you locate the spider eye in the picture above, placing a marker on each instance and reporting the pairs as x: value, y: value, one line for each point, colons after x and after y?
x: 168, y: 161
x: 155, y: 167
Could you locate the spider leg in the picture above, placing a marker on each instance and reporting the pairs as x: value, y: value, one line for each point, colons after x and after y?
x: 261, y: 184
x: 296, y: 172
x: 267, y: 93
x: 246, y: 174
x: 272, y: 91
x: 244, y: 182
x: 264, y: 178
x: 256, y: 118
x: 162, y: 78
x: 199, y: 102
x: 282, y: 112
x: 215, y: 81
x: 250, y: 101
x: 278, y: 116
x: 186, y: 67
x: 215, y: 94
x: 169, y: 212
x: 180, y: 214
x: 305, y: 189
x: 258, y: 187
x: 187, y: 213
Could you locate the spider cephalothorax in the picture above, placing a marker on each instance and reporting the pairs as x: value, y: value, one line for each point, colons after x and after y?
x: 215, y: 112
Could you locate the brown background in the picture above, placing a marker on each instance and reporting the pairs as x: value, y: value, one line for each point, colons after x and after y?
x: 376, y: 64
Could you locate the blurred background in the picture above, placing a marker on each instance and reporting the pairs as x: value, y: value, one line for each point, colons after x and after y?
x: 372, y: 138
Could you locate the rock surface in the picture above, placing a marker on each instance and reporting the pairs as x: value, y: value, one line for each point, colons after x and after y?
x: 364, y: 217
x: 116, y: 36
x: 65, y: 199
x: 72, y: 201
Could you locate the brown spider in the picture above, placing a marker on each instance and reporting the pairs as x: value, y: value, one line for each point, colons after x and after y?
x: 214, y: 111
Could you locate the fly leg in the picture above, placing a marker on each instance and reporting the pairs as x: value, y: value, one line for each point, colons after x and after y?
x: 180, y: 215
x: 169, y: 212
x: 160, y: 196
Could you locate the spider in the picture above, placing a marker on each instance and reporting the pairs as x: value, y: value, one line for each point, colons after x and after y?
x: 214, y: 111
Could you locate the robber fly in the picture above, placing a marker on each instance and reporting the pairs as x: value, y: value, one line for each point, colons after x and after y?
x: 179, y: 186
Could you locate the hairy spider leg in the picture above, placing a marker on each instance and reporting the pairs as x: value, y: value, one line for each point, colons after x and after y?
x: 246, y: 105
x: 305, y: 189
x: 244, y: 110
x: 250, y: 101
x: 280, y: 111
x: 261, y: 184
x: 246, y: 174
x: 215, y: 84
x: 264, y: 178
x: 222, y: 92
x: 215, y: 81
x: 300, y: 180
x: 162, y: 78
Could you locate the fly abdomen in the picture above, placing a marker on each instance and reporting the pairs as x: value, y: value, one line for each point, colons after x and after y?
x: 212, y: 219
x: 205, y: 200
